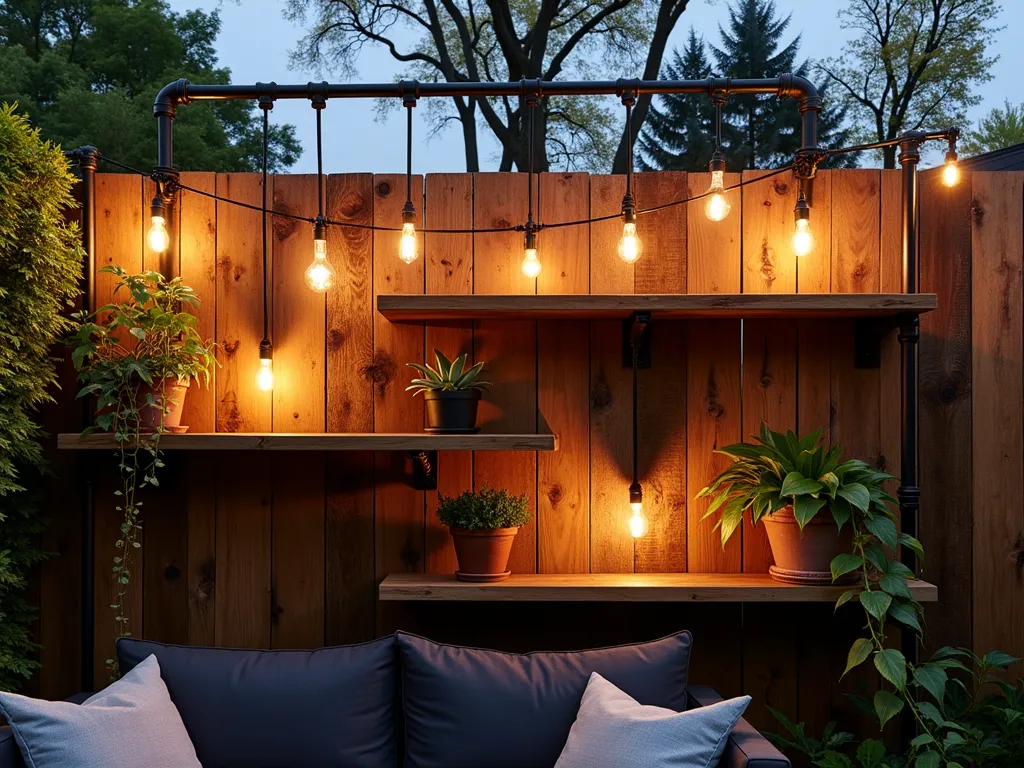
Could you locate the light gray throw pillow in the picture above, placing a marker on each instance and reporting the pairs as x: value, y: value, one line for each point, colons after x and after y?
x: 613, y: 730
x: 130, y: 724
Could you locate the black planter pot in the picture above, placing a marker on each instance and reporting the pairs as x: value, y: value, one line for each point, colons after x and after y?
x: 452, y: 411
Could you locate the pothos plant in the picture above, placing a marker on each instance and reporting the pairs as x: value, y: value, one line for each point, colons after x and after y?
x: 123, y: 352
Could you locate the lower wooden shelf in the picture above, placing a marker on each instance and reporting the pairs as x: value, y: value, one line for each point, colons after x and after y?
x: 621, y: 587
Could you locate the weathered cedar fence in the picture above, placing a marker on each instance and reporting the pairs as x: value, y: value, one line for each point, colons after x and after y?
x: 285, y: 550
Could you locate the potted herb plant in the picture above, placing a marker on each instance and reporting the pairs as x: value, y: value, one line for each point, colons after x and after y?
x: 139, y: 356
x: 483, y: 525
x: 786, y: 481
x: 452, y: 392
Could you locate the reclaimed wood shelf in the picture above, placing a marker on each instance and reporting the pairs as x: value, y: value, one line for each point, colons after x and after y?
x: 415, y: 307
x: 621, y: 587
x: 284, y: 441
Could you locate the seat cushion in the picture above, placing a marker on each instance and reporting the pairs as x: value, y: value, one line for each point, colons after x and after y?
x: 266, y: 709
x: 130, y: 724
x: 469, y: 707
x: 613, y: 730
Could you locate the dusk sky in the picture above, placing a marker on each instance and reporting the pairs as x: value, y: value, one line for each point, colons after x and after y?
x: 255, y: 40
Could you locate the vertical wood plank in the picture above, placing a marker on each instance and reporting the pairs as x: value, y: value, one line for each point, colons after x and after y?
x: 119, y: 241
x: 997, y: 242
x: 769, y: 265
x: 946, y: 367
x: 449, y: 271
x: 243, y: 490
x: 509, y: 347
x: 399, y: 509
x: 714, y: 256
x: 350, y: 577
x: 662, y: 421
x: 297, y: 568
x: 814, y: 271
x: 563, y: 383
x: 611, y: 451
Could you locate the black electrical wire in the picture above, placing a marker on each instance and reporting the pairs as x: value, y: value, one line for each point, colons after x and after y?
x: 629, y: 150
x: 408, y: 155
x: 636, y: 408
x: 319, y: 107
x: 266, y: 143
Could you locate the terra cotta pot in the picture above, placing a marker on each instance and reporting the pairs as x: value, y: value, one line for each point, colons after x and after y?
x: 452, y: 411
x: 483, y: 554
x: 173, y: 393
x: 806, y: 557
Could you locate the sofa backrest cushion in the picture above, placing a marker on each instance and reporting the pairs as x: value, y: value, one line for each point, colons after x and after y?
x: 469, y: 707
x: 265, y: 709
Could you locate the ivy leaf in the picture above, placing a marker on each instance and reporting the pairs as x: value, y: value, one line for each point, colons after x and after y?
x: 893, y: 667
x: 887, y: 706
x: 859, y: 652
x: 871, y: 752
x: 929, y: 759
x: 843, y: 599
x: 922, y: 740
x: 856, y: 494
x: 876, y: 603
x: 905, y: 616
x: 894, y: 585
x: 884, y: 529
x: 912, y: 544
x: 933, y: 679
x: 876, y: 556
x: 845, y: 563
x: 998, y: 659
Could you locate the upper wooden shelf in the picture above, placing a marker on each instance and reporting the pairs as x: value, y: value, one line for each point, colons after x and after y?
x: 283, y: 441
x: 622, y: 587
x: 408, y: 308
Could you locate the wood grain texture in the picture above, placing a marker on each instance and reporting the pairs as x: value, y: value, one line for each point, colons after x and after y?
x: 662, y: 268
x: 509, y: 348
x: 615, y: 587
x: 946, y: 368
x: 449, y: 271
x: 199, y: 472
x: 563, y: 383
x: 350, y: 580
x: 714, y: 254
x: 813, y: 271
x: 997, y: 244
x: 769, y: 265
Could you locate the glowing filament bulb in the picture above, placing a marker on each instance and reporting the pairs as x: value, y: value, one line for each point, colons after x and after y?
x: 630, y: 246
x: 157, y: 236
x: 638, y: 523
x: 265, y: 376
x: 320, y: 274
x: 803, y: 240
x: 951, y: 173
x: 717, y: 206
x: 407, y: 247
x: 531, y: 264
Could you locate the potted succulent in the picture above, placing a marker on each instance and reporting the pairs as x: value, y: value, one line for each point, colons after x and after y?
x: 139, y: 356
x: 452, y: 392
x: 786, y: 481
x: 483, y: 525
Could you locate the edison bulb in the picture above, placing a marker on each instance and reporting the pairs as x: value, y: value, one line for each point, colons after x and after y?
x: 407, y: 247
x: 717, y: 206
x: 630, y: 246
x: 638, y: 523
x: 320, y: 274
x: 803, y: 240
x: 531, y: 264
x: 265, y: 375
x: 951, y: 173
x: 157, y: 236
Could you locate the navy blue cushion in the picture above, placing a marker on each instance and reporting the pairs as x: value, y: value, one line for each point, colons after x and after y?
x: 471, y: 708
x: 266, y: 709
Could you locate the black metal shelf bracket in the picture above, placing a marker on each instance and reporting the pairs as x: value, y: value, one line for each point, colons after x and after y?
x: 424, y: 470
x: 636, y: 331
x: 868, y: 334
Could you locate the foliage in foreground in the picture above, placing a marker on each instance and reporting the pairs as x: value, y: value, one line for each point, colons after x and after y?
x: 483, y: 509
x: 40, y: 265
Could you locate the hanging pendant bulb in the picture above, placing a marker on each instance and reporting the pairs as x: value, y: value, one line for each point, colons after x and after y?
x: 531, y: 264
x: 157, y: 237
x: 639, y: 525
x: 717, y: 206
x: 803, y: 239
x: 951, y: 170
x: 407, y: 247
x: 630, y: 247
x: 320, y: 274
x: 265, y: 375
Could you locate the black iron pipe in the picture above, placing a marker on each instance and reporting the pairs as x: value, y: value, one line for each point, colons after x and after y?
x: 181, y: 93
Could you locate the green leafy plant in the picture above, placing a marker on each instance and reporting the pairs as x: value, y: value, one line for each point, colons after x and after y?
x: 123, y: 352
x: 975, y: 718
x: 483, y: 509
x: 448, y: 376
x: 785, y: 470
x: 40, y: 270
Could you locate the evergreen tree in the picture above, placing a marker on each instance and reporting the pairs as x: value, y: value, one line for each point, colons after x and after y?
x: 758, y: 131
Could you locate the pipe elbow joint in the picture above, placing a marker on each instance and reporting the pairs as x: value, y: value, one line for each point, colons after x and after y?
x: 802, y: 89
x: 169, y: 97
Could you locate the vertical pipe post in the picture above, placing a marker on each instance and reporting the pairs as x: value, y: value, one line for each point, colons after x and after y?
x: 87, y: 161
